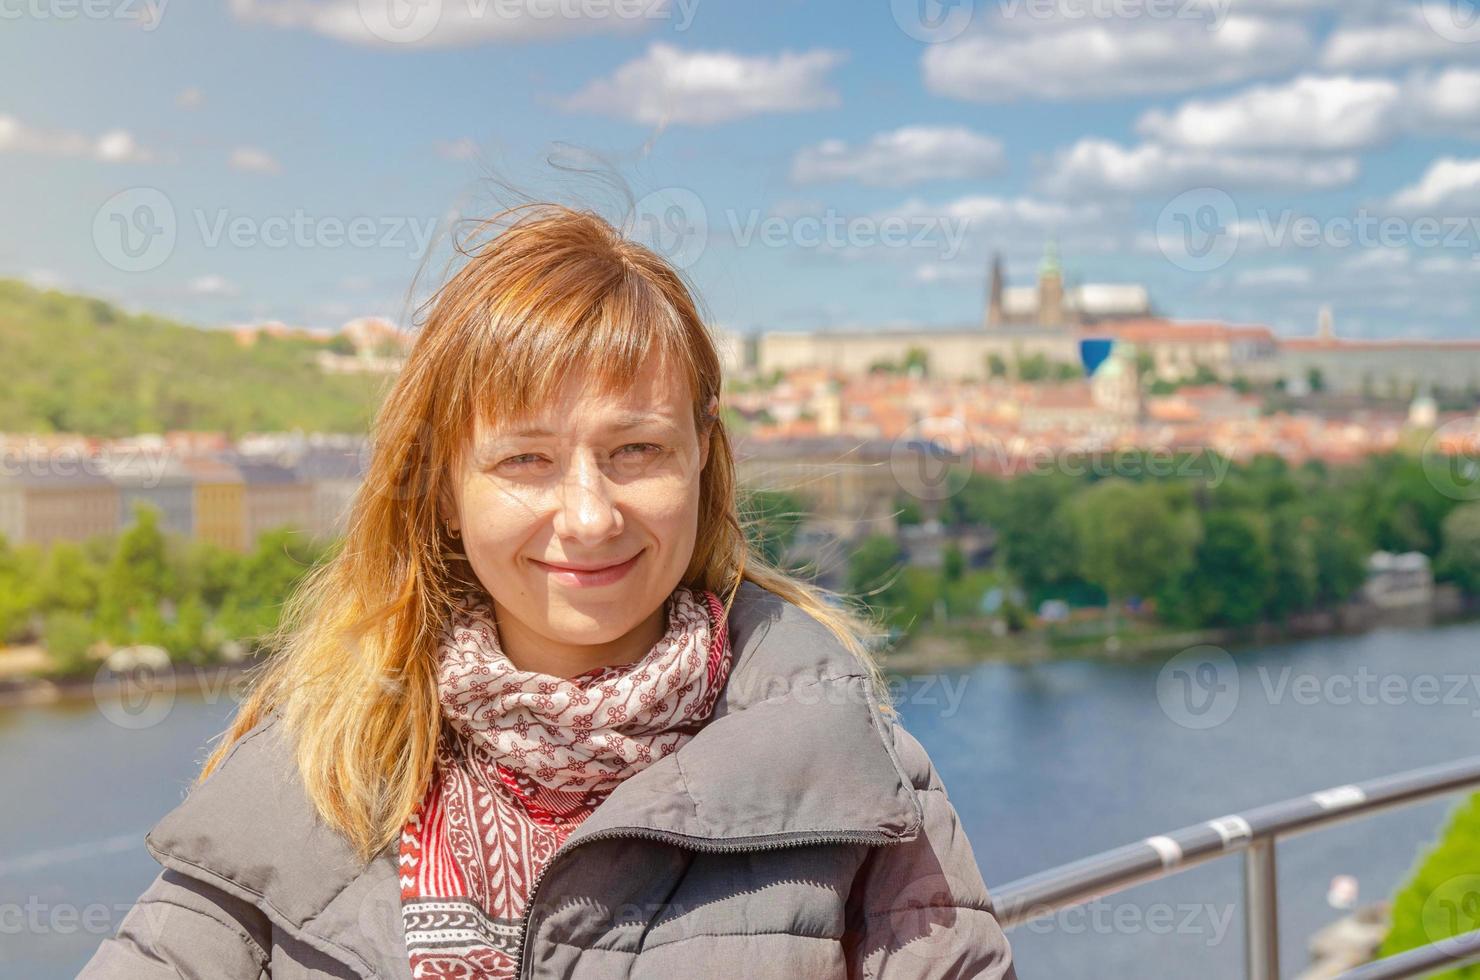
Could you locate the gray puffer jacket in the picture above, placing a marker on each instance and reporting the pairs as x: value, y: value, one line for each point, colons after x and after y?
x: 800, y: 834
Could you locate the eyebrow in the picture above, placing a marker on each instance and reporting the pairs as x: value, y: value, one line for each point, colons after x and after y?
x: 629, y: 420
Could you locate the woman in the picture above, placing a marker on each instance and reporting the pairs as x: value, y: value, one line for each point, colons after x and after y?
x: 544, y: 714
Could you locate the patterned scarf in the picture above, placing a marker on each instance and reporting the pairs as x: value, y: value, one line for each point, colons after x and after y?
x: 522, y: 759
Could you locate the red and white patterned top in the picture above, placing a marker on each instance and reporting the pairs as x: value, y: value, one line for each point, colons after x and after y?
x: 522, y: 759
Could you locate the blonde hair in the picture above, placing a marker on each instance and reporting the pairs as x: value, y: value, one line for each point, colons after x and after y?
x: 352, y: 667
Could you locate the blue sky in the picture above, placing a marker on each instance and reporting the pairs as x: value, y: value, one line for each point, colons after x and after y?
x: 809, y: 165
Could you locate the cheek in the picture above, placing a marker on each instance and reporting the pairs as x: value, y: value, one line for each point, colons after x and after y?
x: 491, y: 520
x: 671, y: 508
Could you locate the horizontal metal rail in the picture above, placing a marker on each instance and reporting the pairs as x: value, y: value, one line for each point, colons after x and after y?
x: 1253, y: 833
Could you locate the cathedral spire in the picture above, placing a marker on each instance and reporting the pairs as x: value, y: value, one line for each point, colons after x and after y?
x: 994, y: 293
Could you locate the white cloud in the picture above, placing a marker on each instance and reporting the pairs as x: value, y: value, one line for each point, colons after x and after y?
x: 1018, y: 224
x: 1018, y: 211
x: 212, y: 285
x: 250, y: 159
x: 1279, y: 275
x: 1108, y: 59
x: 1378, y: 259
x: 1448, y: 102
x: 46, y: 279
x: 1449, y: 185
x: 935, y: 272
x: 114, y: 146
x: 460, y: 24
x: 902, y: 156
x: 1308, y: 113
x: 668, y: 85
x: 463, y: 148
x: 1323, y: 113
x: 190, y: 98
x: 1095, y: 166
x: 119, y: 146
x: 1421, y: 32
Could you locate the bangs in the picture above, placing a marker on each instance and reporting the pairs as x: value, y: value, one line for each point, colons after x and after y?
x: 603, y: 333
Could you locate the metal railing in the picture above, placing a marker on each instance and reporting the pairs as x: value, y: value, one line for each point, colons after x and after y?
x: 1254, y: 833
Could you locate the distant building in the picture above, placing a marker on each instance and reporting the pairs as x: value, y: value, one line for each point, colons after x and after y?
x: 849, y: 485
x: 1176, y: 351
x: 219, y: 501
x: 1398, y: 581
x: 333, y: 476
x: 157, y: 480
x: 273, y: 497
x: 38, y: 507
x: 1050, y: 303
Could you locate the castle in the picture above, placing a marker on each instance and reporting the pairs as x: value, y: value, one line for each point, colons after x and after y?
x: 1050, y: 303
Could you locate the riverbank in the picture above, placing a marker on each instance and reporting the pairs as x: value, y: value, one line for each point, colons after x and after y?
x: 209, y: 681
x: 963, y: 643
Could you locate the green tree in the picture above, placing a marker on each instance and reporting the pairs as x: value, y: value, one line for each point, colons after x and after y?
x: 1459, y: 560
x: 1035, y: 533
x: 67, y: 636
x: 18, y: 574
x: 1294, y: 573
x: 69, y: 579
x: 1033, y: 367
x: 1437, y: 902
x: 953, y: 563
x: 771, y: 519
x: 873, y: 563
x: 1400, y: 508
x: 1230, y: 581
x: 1132, y: 539
x: 916, y: 361
x: 137, y: 577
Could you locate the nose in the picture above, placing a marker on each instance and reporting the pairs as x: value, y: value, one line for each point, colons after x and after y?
x: 586, y: 510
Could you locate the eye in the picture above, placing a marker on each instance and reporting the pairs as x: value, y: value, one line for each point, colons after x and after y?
x: 643, y: 447
x: 522, y: 459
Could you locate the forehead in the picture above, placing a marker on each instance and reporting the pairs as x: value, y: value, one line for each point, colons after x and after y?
x: 580, y: 401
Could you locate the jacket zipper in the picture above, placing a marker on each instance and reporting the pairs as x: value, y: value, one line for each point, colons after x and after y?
x: 759, y: 843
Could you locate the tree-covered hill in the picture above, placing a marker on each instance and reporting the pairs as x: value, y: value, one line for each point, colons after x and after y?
x: 78, y: 364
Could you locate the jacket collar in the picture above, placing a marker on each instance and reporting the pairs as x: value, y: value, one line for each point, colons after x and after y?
x: 795, y: 748
x: 795, y: 745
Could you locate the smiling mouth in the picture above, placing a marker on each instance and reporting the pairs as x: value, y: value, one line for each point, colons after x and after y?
x: 585, y: 570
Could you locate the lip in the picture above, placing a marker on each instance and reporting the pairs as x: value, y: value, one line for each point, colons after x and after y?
x: 588, y: 577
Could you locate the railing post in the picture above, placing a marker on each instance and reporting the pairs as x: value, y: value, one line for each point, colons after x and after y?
x: 1261, y: 912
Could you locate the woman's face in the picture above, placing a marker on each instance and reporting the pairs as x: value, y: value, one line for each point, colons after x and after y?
x: 581, y: 521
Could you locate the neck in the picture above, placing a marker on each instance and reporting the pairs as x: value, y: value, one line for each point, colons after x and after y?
x: 528, y: 650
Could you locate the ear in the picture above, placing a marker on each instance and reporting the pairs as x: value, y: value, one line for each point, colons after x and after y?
x: 446, y: 505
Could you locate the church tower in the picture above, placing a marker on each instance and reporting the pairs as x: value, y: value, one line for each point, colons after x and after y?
x: 1326, y: 325
x: 994, y: 293
x: 1050, y: 288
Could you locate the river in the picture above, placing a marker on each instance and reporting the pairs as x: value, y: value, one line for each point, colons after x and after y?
x: 1045, y: 763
